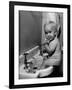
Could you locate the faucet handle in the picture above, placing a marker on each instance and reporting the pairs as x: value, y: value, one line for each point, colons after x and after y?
x: 25, y: 53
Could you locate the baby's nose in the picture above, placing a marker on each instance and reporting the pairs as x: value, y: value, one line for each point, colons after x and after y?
x: 49, y: 37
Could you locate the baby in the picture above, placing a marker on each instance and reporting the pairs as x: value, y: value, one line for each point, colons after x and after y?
x: 51, y: 45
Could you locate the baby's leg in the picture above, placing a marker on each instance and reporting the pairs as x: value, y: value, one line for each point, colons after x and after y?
x: 52, y: 61
x: 43, y: 63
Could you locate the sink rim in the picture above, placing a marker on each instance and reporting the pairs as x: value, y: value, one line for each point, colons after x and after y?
x: 38, y: 72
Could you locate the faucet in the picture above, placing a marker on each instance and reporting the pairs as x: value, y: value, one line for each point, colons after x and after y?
x: 25, y: 59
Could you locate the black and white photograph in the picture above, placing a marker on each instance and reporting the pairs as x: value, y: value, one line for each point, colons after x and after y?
x: 40, y: 44
x: 39, y: 37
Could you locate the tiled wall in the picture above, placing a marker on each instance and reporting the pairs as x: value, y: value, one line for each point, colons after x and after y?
x: 30, y: 26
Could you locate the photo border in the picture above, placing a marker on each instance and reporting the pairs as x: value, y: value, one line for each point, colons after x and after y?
x: 11, y: 43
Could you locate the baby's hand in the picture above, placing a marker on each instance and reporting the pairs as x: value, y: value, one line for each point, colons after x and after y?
x: 45, y: 42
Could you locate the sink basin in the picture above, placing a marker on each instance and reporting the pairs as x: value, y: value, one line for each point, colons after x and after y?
x: 39, y: 73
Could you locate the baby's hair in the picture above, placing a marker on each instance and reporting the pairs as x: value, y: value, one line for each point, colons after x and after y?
x: 52, y: 22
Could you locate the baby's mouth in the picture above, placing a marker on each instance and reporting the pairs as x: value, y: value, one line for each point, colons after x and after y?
x: 50, y: 37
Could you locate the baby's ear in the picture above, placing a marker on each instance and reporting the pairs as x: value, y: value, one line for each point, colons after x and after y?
x: 58, y: 31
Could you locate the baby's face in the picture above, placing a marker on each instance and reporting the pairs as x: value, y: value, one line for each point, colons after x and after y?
x: 50, y: 31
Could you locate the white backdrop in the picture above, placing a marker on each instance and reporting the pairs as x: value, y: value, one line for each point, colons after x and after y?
x: 4, y: 44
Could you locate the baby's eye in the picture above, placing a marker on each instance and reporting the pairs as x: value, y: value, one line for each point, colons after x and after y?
x: 46, y: 32
x: 49, y: 32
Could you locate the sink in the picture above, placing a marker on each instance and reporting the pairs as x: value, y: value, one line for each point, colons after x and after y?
x: 39, y: 73
x: 37, y: 60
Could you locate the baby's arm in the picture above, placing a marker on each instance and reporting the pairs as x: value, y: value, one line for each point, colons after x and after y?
x: 51, y: 47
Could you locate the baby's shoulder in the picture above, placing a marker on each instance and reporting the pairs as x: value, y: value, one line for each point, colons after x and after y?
x: 55, y: 41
